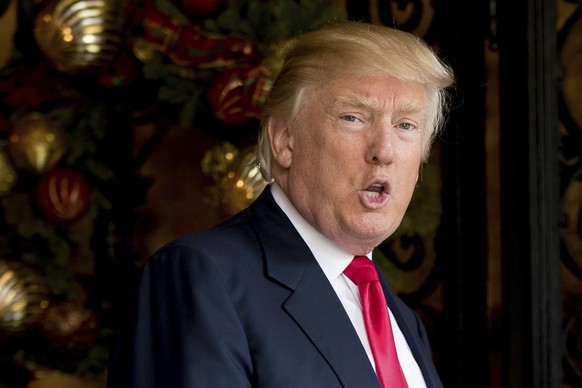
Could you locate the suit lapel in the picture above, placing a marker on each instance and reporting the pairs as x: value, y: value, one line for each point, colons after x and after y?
x: 321, y: 316
x: 313, y: 304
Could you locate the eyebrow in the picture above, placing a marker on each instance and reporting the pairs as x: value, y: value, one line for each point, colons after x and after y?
x: 410, y: 107
x: 354, y: 101
x: 404, y: 107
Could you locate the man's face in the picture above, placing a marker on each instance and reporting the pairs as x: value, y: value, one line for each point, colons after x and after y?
x: 352, y: 158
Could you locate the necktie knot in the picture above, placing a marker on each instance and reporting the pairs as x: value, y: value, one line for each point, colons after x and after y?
x: 361, y: 270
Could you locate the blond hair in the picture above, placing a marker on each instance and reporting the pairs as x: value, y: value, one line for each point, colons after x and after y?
x: 348, y: 49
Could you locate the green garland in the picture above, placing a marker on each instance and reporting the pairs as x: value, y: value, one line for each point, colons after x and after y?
x: 86, y: 111
x: 266, y: 23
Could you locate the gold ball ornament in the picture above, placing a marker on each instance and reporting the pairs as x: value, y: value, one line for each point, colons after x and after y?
x: 236, y: 176
x: 7, y: 174
x: 59, y: 379
x: 217, y: 161
x: 243, y: 183
x: 80, y: 36
x: 37, y: 143
x: 23, y: 299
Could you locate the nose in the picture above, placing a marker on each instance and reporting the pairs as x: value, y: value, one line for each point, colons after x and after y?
x: 380, y: 147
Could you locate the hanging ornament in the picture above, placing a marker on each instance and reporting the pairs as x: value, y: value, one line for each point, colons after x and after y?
x: 196, y: 8
x: 217, y: 161
x: 236, y: 176
x: 122, y: 72
x: 23, y: 299
x: 30, y: 85
x: 70, y: 326
x: 189, y: 45
x: 242, y: 184
x: 36, y: 144
x: 7, y: 174
x: 63, y: 195
x: 80, y: 35
x: 237, y: 95
x: 59, y: 379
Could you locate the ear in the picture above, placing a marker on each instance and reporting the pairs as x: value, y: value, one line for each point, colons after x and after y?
x: 281, y: 141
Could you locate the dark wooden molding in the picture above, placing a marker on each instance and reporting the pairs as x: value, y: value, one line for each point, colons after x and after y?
x: 530, y: 193
x: 462, y: 239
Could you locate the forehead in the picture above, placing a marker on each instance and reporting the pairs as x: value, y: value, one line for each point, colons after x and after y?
x: 373, y: 93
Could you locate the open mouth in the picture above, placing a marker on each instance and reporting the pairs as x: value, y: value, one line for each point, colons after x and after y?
x: 375, y: 190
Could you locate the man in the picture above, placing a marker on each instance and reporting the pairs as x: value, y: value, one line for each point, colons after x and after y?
x: 262, y: 300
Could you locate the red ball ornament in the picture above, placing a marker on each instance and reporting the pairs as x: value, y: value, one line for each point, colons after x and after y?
x: 191, y: 45
x: 123, y: 72
x: 63, y: 195
x: 237, y: 95
x: 196, y: 8
x: 70, y: 326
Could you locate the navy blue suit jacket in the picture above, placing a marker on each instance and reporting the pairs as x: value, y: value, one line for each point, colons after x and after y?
x: 246, y: 305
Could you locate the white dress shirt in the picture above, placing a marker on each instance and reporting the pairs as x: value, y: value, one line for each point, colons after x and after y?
x: 333, y: 261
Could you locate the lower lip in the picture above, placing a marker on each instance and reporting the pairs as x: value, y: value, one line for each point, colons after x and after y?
x: 372, y: 202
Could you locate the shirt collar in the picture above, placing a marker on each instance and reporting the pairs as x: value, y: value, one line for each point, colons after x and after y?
x: 330, y: 257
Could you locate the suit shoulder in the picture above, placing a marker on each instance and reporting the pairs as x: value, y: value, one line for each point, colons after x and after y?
x: 223, y: 244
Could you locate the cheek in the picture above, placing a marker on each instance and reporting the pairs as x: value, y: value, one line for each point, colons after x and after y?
x: 409, y: 172
x: 327, y: 154
x: 345, y: 149
x: 409, y: 155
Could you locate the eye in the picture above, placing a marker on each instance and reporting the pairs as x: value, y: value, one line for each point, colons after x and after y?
x: 406, y: 126
x: 350, y: 118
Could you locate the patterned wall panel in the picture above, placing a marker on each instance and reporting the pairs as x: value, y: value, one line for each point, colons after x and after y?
x: 570, y: 110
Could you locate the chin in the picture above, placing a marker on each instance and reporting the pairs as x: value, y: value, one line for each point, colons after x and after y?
x: 375, y: 238
x: 375, y: 227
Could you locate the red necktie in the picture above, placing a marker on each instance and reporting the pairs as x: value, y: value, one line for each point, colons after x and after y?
x: 362, y: 272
